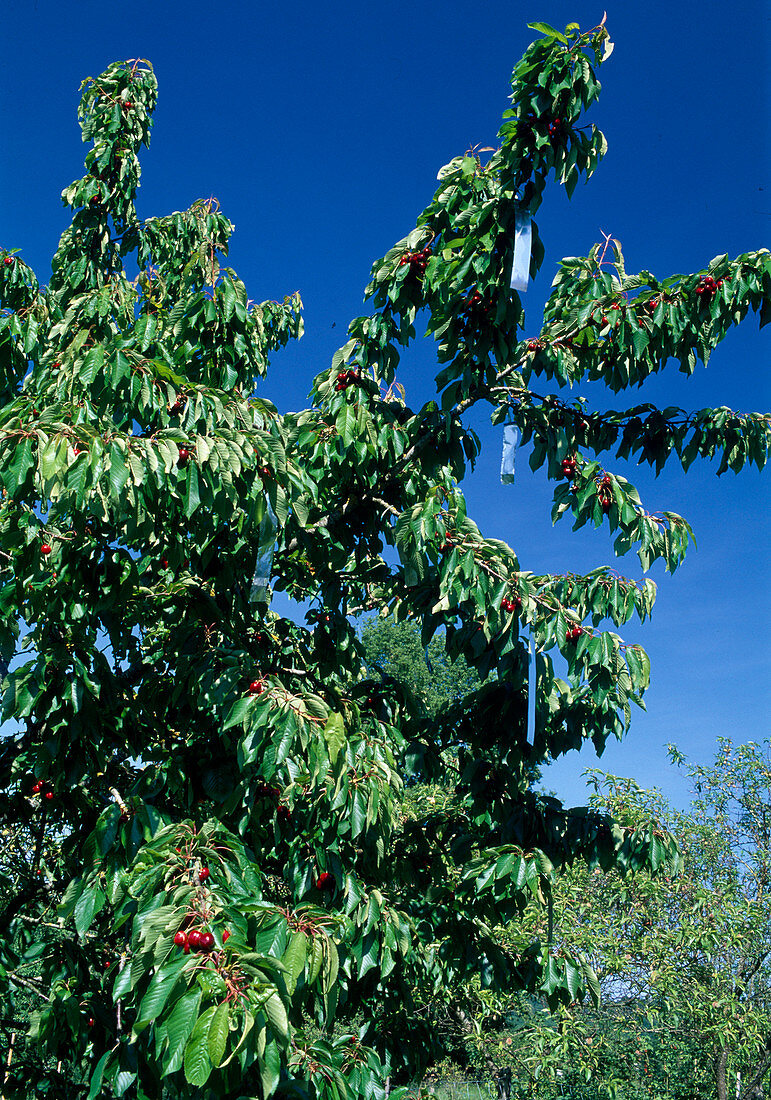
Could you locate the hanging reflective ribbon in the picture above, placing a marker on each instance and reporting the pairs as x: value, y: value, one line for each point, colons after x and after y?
x: 531, y: 693
x: 260, y: 592
x: 523, y: 245
x: 511, y: 438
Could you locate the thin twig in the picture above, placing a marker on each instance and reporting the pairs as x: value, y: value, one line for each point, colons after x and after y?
x: 29, y: 985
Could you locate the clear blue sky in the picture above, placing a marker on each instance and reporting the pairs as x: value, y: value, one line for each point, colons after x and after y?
x: 321, y: 127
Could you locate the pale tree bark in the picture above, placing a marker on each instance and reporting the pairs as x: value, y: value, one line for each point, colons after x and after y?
x: 720, y: 1074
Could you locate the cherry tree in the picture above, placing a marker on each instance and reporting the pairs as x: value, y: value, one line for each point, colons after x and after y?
x: 215, y: 887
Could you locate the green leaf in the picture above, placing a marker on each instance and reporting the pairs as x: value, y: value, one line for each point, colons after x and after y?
x: 294, y: 960
x: 123, y: 1082
x: 178, y: 1028
x: 358, y: 813
x: 97, y: 1076
x: 334, y: 735
x: 218, y: 1034
x: 331, y: 964
x: 276, y: 1013
x: 197, y: 1063
x: 89, y: 903
x: 544, y: 28
x: 270, y: 1069
x: 154, y: 1000
x: 119, y: 473
x: 238, y: 712
x: 572, y: 979
x: 15, y: 474
x: 92, y: 365
x: 317, y: 958
x: 192, y: 494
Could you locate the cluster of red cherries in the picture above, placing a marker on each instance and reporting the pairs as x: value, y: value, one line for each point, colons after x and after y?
x: 346, y: 378
x: 195, y: 940
x: 604, y: 494
x: 325, y: 881
x: 569, y: 466
x: 418, y: 261
x: 256, y: 687
x: 708, y: 287
x: 574, y: 632
x: 476, y: 304
x: 41, y: 789
x: 264, y: 790
x: 475, y: 309
x: 511, y: 605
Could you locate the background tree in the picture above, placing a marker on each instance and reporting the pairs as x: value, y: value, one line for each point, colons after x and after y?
x: 236, y: 879
x: 393, y: 649
x: 682, y: 961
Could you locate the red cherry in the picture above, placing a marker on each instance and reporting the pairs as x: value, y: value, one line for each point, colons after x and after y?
x: 207, y: 941
x: 225, y: 936
x: 184, y: 455
x: 164, y: 562
x: 203, y: 874
x: 180, y: 939
x: 325, y: 881
x: 37, y: 788
x: 256, y: 687
x: 45, y: 549
x: 8, y: 261
x: 194, y: 939
x: 49, y: 795
x: 90, y: 1021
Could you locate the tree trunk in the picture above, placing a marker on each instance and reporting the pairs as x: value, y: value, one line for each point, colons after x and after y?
x: 7, y: 1064
x: 720, y: 1074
